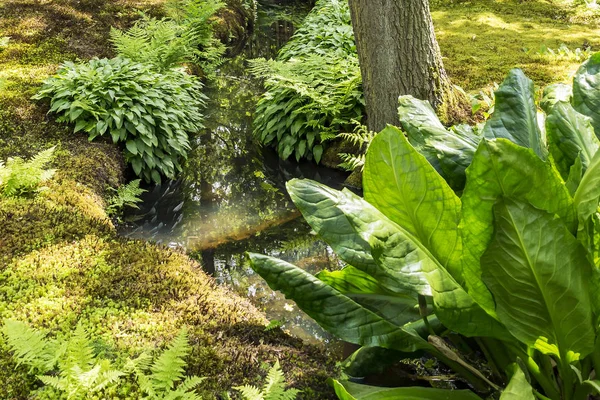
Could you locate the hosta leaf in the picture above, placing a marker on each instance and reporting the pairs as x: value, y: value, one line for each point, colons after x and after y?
x: 570, y: 135
x: 518, y: 388
x: 407, y: 189
x: 586, y: 90
x: 335, y: 312
x: 515, y: 114
x: 538, y: 273
x: 503, y: 169
x: 352, y: 391
x: 448, y: 152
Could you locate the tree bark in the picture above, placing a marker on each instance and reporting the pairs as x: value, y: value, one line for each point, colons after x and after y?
x: 398, y: 55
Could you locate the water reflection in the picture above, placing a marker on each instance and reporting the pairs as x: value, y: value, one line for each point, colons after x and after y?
x: 231, y: 196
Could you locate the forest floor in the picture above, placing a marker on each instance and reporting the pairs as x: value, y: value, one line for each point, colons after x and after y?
x: 481, y: 40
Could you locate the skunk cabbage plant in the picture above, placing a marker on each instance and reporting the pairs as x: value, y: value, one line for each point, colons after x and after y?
x: 509, y: 268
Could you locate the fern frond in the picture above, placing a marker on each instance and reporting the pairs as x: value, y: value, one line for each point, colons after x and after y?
x: 191, y: 383
x: 55, y: 382
x: 30, y: 346
x: 79, y: 351
x: 275, y: 380
x: 250, y: 392
x: 169, y: 367
x: 350, y: 162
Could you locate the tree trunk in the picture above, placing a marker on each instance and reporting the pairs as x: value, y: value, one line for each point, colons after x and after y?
x: 398, y: 55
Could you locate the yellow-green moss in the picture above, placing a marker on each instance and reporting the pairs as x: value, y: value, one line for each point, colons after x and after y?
x: 481, y: 40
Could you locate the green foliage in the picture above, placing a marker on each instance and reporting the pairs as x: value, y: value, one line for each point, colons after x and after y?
x: 185, y: 37
x: 273, y: 389
x: 68, y: 368
x: 314, y: 88
x: 512, y: 262
x: 360, y: 138
x: 151, y: 113
x: 166, y: 380
x: 124, y: 196
x: 20, y: 178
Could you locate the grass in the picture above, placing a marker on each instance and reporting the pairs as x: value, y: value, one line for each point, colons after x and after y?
x: 481, y: 40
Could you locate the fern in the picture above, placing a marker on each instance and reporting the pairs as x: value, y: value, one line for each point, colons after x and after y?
x: 125, y: 196
x: 166, y: 371
x: 70, y: 365
x: 273, y: 389
x: 30, y: 346
x: 360, y: 138
x: 186, y: 36
x: 19, y: 177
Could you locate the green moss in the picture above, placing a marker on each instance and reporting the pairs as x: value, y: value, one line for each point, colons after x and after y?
x: 482, y: 40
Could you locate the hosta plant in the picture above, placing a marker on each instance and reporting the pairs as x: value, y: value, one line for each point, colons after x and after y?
x: 150, y: 112
x: 509, y: 269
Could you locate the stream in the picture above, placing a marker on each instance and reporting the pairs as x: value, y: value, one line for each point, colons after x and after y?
x: 231, y: 196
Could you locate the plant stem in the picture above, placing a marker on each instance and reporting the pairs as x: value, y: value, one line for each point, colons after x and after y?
x: 542, y: 379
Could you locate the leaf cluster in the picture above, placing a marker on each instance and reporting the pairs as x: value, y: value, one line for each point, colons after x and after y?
x: 273, y: 389
x: 185, y: 36
x: 471, y: 241
x: 314, y: 88
x: 70, y: 369
x: 150, y: 112
x: 21, y: 178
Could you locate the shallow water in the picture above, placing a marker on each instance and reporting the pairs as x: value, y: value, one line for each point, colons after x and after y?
x: 231, y: 197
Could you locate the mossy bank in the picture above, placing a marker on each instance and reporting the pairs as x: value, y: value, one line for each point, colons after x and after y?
x: 61, y: 260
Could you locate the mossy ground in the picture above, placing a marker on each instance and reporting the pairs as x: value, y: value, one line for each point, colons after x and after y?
x: 481, y: 40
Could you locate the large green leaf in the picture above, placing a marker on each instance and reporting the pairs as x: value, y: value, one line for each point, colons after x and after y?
x: 407, y: 189
x: 352, y: 391
x: 334, y: 215
x: 335, y: 312
x: 503, y: 169
x: 515, y: 114
x: 588, y: 193
x: 399, y: 308
x: 538, y: 273
x: 586, y: 90
x: 518, y: 388
x: 402, y: 263
x: 450, y: 153
x: 570, y: 135
x: 558, y: 92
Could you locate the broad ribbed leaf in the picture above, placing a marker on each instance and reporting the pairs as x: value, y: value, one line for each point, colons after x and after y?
x: 351, y: 280
x: 407, y: 189
x: 515, y: 114
x: 403, y: 264
x: 502, y: 169
x: 538, y: 273
x: 558, y: 92
x: 334, y: 215
x: 518, y: 388
x: 350, y: 391
x: 570, y: 135
x: 365, y: 290
x: 335, y: 312
x: 588, y: 193
x: 586, y: 90
x: 450, y: 153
